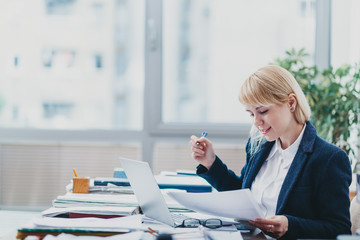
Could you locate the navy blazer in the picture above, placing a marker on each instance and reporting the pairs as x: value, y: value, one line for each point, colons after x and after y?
x: 315, y: 192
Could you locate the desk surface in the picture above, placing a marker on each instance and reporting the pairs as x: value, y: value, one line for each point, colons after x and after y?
x: 249, y: 236
x: 10, y: 221
x: 246, y: 236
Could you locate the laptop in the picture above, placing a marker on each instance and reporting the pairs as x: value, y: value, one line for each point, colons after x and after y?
x: 151, y: 200
x: 148, y: 193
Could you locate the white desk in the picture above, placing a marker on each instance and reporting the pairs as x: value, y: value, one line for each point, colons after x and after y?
x: 10, y: 221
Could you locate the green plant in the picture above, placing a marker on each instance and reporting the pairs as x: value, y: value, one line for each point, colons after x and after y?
x: 333, y: 95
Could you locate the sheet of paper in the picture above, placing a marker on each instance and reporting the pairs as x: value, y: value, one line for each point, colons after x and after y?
x: 126, y: 236
x: 112, y: 224
x: 238, y: 204
x: 121, y: 224
x: 218, y: 235
x: 102, y: 210
x: 109, y: 200
x: 193, y: 234
x: 181, y: 180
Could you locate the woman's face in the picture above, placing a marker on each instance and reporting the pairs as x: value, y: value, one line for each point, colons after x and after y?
x: 274, y: 121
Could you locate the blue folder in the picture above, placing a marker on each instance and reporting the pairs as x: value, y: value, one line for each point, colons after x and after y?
x: 101, y: 181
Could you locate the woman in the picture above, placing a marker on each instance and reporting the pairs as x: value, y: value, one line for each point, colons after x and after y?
x: 300, y: 181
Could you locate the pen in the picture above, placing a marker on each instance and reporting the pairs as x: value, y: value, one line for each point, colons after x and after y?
x: 204, y: 134
x: 75, y: 172
x: 152, y: 232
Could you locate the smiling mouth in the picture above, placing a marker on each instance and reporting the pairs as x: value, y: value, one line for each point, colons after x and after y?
x: 265, y: 131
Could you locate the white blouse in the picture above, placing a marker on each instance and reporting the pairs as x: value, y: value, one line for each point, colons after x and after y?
x: 267, y: 184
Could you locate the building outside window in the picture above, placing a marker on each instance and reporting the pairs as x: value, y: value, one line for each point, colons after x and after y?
x: 85, y: 54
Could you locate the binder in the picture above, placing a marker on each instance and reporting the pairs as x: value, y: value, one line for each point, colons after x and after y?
x: 104, y: 181
x: 189, y: 184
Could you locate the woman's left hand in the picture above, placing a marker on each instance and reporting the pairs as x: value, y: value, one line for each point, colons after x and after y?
x: 275, y: 226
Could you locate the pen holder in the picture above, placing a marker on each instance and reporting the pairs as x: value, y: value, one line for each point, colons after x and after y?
x: 81, y: 185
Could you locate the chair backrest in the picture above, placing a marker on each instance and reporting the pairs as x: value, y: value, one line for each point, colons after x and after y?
x: 354, y: 215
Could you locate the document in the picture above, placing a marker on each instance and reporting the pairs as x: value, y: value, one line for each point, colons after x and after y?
x: 237, y: 204
x: 138, y: 235
x: 184, y: 182
x: 121, y: 224
x: 107, y: 200
x: 126, y: 236
x: 102, y: 210
x: 110, y: 200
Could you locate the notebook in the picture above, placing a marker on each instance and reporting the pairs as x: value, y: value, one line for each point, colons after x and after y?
x: 148, y: 193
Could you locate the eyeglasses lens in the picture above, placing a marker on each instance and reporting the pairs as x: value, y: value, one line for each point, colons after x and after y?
x: 213, y: 223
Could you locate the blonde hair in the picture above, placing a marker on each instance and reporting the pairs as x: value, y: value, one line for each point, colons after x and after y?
x: 272, y: 85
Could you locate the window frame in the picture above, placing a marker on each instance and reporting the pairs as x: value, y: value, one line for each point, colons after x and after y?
x: 154, y: 130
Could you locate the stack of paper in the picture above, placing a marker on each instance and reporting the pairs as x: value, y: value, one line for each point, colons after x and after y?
x: 137, y: 235
x: 189, y: 183
x: 122, y: 224
x: 94, y: 211
x: 130, y: 225
x: 104, y: 200
x: 104, y: 188
x: 182, y: 180
x: 126, y: 236
x: 118, y: 202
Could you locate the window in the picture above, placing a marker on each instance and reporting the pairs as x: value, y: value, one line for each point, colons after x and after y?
x: 58, y: 58
x: 52, y: 110
x: 210, y: 47
x: 59, y: 6
x: 345, y: 37
x: 98, y: 61
x: 84, y: 62
x: 78, y: 60
x: 72, y: 77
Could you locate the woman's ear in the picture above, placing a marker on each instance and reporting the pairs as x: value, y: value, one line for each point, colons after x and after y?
x: 292, y: 102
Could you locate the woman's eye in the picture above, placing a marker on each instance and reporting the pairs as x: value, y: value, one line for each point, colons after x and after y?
x: 251, y: 115
x: 263, y: 112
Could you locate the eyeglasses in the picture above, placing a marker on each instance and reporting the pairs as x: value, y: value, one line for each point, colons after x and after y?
x: 209, y: 223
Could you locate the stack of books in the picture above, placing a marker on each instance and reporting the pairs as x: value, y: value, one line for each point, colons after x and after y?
x: 108, y: 201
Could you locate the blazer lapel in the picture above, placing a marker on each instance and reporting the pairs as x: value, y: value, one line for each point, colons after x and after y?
x: 256, y: 163
x: 305, y: 147
x: 290, y: 179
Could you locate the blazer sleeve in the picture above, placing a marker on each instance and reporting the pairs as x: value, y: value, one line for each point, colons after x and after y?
x: 331, y: 201
x: 222, y: 178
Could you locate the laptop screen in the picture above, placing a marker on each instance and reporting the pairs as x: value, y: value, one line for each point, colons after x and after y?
x: 147, y: 190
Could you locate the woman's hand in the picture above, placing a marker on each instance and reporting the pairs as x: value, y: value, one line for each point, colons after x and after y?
x: 275, y: 226
x: 202, y: 151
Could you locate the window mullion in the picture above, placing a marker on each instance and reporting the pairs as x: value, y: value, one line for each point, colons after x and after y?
x: 323, y: 34
x: 152, y: 89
